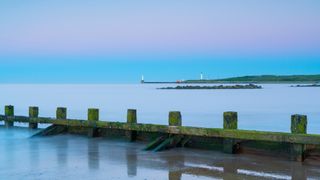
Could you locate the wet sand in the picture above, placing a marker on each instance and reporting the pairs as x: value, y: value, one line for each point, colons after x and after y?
x: 78, y: 157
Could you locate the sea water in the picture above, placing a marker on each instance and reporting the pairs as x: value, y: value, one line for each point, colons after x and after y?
x: 79, y: 157
x: 266, y: 109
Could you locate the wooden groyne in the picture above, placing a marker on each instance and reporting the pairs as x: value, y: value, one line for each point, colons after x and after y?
x: 296, y: 145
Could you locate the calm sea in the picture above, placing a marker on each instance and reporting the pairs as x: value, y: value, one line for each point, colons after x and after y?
x: 268, y: 109
x: 77, y: 157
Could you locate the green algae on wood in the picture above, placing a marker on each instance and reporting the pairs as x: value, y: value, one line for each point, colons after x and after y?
x: 132, y: 116
x: 51, y: 130
x: 175, y: 118
x: 61, y: 113
x: 163, y: 145
x: 131, y: 119
x: 298, y: 152
x: 170, y: 142
x: 9, y: 111
x: 299, y: 124
x: 230, y: 135
x: 153, y: 144
x: 183, y: 130
x: 230, y: 120
x: 33, y: 113
x: 93, y: 114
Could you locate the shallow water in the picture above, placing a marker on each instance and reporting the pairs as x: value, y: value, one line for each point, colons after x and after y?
x: 77, y: 157
x: 269, y: 108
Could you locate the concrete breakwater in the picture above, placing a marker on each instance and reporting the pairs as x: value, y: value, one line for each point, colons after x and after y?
x: 296, y: 145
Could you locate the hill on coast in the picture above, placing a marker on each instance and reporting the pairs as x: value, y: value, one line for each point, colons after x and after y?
x: 264, y: 79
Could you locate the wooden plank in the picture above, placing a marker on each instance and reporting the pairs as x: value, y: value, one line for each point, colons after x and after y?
x: 183, y: 130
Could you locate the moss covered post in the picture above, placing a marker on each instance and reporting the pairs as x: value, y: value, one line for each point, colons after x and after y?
x: 131, y: 120
x: 33, y: 113
x: 172, y: 140
x: 175, y: 118
x: 61, y: 113
x: 9, y: 111
x: 298, y: 126
x: 93, y: 117
x: 230, y: 121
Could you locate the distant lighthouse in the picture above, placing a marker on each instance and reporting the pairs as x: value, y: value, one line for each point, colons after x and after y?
x: 142, y: 79
x: 201, y: 76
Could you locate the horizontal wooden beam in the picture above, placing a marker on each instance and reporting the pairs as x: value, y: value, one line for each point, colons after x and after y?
x: 183, y: 130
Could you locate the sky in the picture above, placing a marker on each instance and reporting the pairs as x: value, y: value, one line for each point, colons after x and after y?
x: 99, y: 41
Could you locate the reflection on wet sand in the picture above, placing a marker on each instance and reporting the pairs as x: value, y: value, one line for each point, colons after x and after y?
x: 8, y: 146
x: 132, y: 165
x: 174, y: 165
x: 200, y: 164
x: 244, y: 170
x: 298, y: 172
x: 62, y: 154
x: 80, y: 157
x: 93, y: 154
x: 34, y: 153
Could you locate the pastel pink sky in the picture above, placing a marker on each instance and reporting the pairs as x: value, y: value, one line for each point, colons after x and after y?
x: 204, y: 26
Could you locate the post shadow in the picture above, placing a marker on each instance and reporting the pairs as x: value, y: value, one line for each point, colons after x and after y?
x: 174, y: 164
x: 131, y: 157
x: 93, y: 154
x: 62, y: 152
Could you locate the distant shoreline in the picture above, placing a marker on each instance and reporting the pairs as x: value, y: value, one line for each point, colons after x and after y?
x: 233, y: 82
x: 263, y: 79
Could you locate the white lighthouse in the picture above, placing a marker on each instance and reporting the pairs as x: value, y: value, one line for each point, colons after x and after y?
x: 142, y: 79
x: 201, y: 76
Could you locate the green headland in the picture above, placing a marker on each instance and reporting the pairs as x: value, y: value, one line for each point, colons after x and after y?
x: 263, y: 79
x: 274, y: 79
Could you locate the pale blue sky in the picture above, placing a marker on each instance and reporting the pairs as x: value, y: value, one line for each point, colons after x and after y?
x: 98, y: 41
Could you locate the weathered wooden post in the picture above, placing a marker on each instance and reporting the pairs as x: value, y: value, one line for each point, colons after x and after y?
x: 175, y: 118
x: 230, y: 121
x: 9, y: 111
x: 131, y: 120
x: 230, y: 146
x: 33, y: 113
x: 298, y: 126
x: 61, y: 113
x: 93, y: 116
